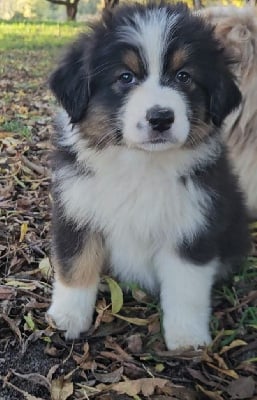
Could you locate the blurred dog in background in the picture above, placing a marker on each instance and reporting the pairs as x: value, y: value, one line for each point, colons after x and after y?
x: 236, y: 28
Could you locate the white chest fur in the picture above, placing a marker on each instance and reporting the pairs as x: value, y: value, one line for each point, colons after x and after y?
x: 140, y: 203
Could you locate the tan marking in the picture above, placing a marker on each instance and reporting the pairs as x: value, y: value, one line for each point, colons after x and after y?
x: 85, y: 267
x: 132, y: 61
x: 178, y: 59
x: 97, y: 127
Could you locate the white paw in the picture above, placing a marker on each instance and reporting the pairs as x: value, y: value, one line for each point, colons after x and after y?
x: 72, y: 309
x: 73, y: 323
x: 183, y: 339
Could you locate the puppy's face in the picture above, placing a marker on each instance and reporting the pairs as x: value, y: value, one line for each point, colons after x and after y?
x: 150, y: 77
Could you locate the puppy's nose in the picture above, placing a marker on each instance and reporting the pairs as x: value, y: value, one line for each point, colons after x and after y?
x: 159, y: 118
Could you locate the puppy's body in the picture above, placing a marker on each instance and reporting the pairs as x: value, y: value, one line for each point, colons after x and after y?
x: 141, y: 182
x: 236, y: 28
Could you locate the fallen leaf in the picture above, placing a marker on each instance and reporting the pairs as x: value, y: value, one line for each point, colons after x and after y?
x: 131, y: 320
x: 116, y: 295
x: 103, y: 313
x: 196, y: 374
x: 23, y: 231
x: 154, y: 325
x: 12, y: 325
x: 210, y: 394
x: 242, y: 388
x: 235, y: 343
x: 45, y: 268
x: 111, y: 377
x: 139, y: 295
x: 34, y: 378
x: 4, y: 134
x: 21, y: 284
x: 229, y: 372
x: 61, y: 389
x: 110, y: 343
x: 221, y: 363
x: 159, y: 367
x: 30, y: 324
x: 6, y: 293
x: 146, y: 386
x: 81, y: 360
x: 135, y: 343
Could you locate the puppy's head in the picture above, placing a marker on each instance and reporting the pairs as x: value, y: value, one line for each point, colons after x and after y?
x: 147, y: 76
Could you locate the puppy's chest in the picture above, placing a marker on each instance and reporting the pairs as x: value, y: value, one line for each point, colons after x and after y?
x: 150, y: 206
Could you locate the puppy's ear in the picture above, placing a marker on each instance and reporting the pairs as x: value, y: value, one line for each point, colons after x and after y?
x: 225, y: 97
x: 70, y: 81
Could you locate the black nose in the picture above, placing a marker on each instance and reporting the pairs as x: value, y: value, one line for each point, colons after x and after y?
x: 159, y: 118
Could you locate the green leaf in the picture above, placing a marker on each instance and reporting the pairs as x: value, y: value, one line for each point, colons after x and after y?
x: 116, y: 295
x: 29, y: 321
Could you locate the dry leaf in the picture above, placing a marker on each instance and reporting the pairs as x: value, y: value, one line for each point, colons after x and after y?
x: 45, y: 268
x: 21, y: 284
x: 131, y: 320
x: 210, y: 394
x: 6, y: 293
x: 229, y: 372
x: 220, y: 361
x: 23, y: 231
x: 242, y: 388
x: 135, y: 343
x: 12, y: 325
x: 235, y: 343
x: 145, y: 386
x: 34, y: 378
x: 111, y: 377
x: 61, y: 389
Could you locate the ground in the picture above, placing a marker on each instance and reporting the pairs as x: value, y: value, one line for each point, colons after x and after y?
x: 123, y: 356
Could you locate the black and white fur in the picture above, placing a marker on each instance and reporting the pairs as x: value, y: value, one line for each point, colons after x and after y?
x: 141, y: 181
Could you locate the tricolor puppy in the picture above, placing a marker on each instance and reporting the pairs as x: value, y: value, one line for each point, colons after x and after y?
x: 141, y: 181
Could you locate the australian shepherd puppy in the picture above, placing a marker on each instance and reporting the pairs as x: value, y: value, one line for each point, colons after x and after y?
x: 141, y: 180
x: 236, y: 28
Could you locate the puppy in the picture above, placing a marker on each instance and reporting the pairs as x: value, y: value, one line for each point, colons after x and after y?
x: 141, y: 181
x: 236, y: 28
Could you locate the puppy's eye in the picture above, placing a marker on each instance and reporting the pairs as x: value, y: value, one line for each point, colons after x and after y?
x: 127, y: 78
x: 183, y: 77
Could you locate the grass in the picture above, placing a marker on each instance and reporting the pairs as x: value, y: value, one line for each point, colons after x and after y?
x: 17, y: 126
x: 36, y: 35
x: 28, y: 52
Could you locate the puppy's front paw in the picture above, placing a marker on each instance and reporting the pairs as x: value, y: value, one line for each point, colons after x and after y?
x: 73, y: 322
x: 183, y: 339
x: 72, y: 309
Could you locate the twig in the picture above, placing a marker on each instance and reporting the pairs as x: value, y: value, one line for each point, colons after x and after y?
x: 34, y: 167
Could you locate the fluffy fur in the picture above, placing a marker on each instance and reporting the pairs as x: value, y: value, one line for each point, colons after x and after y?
x: 236, y: 28
x: 141, y: 182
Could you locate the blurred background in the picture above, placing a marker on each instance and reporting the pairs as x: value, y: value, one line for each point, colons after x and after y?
x: 80, y: 10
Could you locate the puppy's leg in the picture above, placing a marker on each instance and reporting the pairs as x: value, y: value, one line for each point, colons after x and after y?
x: 77, y: 268
x: 185, y: 300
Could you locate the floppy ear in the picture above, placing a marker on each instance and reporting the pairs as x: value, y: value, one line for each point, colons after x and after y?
x: 70, y: 81
x: 225, y: 97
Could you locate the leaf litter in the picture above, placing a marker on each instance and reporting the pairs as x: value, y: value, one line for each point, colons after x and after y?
x: 123, y: 356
